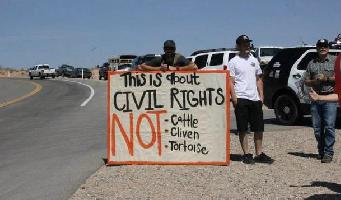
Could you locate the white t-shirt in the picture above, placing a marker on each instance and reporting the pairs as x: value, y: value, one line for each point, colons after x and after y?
x: 245, y: 71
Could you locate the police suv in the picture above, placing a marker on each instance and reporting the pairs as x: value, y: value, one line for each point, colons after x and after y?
x: 284, y: 88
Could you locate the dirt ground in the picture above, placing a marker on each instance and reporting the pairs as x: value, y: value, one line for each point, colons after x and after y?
x: 24, y: 74
x: 13, y: 73
x: 296, y: 174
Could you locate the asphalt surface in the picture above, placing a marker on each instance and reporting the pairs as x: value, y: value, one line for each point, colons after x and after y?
x: 49, y: 144
x: 13, y: 88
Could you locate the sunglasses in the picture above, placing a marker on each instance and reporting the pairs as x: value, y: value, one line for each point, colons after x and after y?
x: 245, y: 45
x: 169, y: 48
x: 323, y: 46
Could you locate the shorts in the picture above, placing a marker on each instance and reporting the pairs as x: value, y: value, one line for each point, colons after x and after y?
x: 249, y: 112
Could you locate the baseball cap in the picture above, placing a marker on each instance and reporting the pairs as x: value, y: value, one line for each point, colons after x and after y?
x: 169, y: 44
x: 322, y: 43
x: 243, y: 39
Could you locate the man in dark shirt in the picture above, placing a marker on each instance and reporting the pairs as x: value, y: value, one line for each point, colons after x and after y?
x: 168, y: 61
x: 321, y: 77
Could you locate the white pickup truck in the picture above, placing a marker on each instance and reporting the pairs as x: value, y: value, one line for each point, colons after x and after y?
x: 42, y: 71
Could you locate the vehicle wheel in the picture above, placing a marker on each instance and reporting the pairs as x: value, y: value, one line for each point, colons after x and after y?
x: 53, y: 76
x: 286, y: 110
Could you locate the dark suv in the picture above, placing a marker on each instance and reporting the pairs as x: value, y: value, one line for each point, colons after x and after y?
x: 65, y: 70
x: 284, y: 88
x: 142, y: 59
x: 77, y: 73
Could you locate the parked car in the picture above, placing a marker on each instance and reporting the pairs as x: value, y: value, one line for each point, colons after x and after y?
x: 190, y: 58
x: 42, y: 71
x: 266, y: 53
x: 77, y: 73
x: 124, y: 67
x: 121, y: 62
x: 142, y: 59
x: 65, y: 70
x: 213, y: 58
x: 336, y: 43
x: 284, y: 88
x: 103, y: 71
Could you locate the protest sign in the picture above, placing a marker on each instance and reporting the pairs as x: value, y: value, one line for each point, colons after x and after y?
x: 168, y: 118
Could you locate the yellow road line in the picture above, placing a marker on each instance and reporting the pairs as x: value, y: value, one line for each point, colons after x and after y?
x: 37, y: 88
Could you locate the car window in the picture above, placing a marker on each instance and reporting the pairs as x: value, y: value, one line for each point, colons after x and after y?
x: 305, y: 61
x: 232, y: 55
x: 217, y: 59
x: 309, y: 57
x: 148, y: 58
x: 257, y: 53
x: 201, y: 61
x: 121, y: 67
x: 286, y: 58
x: 136, y: 61
x: 269, y: 51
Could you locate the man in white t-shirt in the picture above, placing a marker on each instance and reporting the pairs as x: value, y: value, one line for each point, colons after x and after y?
x: 247, y: 98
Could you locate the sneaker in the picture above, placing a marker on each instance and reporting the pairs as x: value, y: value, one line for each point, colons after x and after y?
x: 327, y: 159
x: 263, y: 158
x: 319, y: 157
x: 248, y: 159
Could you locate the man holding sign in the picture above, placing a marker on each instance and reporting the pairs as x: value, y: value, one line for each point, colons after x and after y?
x: 168, y: 61
x: 247, y: 98
x: 320, y: 76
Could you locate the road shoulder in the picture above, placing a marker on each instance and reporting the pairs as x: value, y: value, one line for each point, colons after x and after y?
x: 293, y: 175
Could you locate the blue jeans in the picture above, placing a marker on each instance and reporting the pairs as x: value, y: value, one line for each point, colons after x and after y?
x: 323, y: 116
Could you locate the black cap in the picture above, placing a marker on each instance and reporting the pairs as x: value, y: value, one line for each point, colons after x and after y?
x: 322, y: 42
x: 169, y: 44
x: 243, y: 39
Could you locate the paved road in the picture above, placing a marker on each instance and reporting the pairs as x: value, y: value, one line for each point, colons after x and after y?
x: 49, y: 144
x: 13, y: 88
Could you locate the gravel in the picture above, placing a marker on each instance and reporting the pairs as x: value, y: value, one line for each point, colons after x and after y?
x: 296, y: 174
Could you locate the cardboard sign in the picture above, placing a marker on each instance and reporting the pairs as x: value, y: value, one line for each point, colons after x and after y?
x: 338, y: 77
x: 168, y: 118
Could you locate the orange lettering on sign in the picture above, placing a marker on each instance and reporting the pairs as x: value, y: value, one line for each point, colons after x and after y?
x: 129, y: 140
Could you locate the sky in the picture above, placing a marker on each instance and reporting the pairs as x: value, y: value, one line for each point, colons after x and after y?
x: 85, y: 33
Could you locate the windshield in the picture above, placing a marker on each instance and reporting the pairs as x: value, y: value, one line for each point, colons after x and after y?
x: 43, y: 67
x: 128, y: 57
x: 269, y: 51
x: 123, y: 66
x: 149, y: 58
